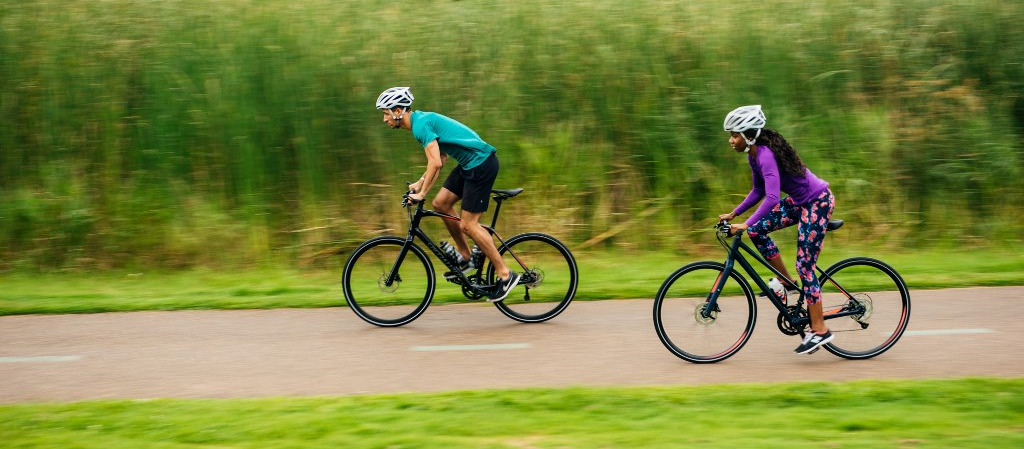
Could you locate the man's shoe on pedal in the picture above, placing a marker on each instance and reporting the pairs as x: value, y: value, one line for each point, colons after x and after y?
x: 504, y: 286
x: 813, y: 341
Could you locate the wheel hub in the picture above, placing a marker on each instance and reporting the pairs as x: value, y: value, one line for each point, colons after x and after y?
x: 698, y: 314
x: 532, y: 278
x: 382, y: 283
x: 864, y: 301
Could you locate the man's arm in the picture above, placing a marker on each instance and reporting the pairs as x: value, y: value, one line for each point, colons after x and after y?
x: 435, y: 160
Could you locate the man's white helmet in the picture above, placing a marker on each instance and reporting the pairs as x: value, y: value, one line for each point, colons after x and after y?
x: 394, y: 97
x: 744, y: 118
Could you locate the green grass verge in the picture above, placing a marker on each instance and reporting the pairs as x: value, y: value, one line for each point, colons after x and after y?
x: 603, y: 275
x: 968, y: 413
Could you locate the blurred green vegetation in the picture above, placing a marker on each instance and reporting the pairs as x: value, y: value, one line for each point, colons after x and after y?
x: 184, y: 133
x: 963, y: 413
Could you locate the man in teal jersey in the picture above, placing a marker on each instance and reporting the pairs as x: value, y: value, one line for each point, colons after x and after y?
x: 471, y: 181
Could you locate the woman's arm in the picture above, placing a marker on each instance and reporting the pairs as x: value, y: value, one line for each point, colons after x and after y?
x: 772, y: 190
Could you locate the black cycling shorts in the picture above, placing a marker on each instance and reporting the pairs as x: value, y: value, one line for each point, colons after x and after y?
x: 474, y: 185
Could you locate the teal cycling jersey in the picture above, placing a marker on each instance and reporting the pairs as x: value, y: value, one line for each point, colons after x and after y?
x: 455, y: 139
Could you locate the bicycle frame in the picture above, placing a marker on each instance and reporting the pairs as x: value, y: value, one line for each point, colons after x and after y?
x: 415, y: 231
x: 735, y: 256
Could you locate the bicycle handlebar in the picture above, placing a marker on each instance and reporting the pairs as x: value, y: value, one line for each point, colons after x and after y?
x: 406, y: 201
x: 723, y: 227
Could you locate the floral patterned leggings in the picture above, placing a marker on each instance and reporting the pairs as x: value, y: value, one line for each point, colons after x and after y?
x: 812, y: 218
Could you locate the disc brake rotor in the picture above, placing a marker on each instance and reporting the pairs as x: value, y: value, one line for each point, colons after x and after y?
x: 533, y: 277
x: 382, y: 283
x: 698, y: 315
x: 864, y: 301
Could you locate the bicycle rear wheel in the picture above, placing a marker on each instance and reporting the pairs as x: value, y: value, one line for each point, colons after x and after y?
x: 876, y: 289
x: 367, y: 293
x: 685, y: 325
x: 549, y: 277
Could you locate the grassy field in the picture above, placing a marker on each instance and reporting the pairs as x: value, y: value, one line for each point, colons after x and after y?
x: 603, y: 275
x: 971, y: 413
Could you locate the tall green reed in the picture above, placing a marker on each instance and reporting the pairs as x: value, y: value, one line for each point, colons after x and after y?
x: 185, y: 132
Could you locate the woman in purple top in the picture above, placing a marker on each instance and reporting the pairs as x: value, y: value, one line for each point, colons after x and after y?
x: 777, y: 168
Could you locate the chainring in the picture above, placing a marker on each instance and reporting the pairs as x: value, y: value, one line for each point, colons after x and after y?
x: 470, y: 291
x: 785, y: 326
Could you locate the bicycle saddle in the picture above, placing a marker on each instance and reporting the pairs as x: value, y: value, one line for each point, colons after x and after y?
x: 504, y: 194
x: 834, y: 224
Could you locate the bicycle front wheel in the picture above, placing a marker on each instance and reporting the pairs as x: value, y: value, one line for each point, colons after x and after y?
x: 879, y: 295
x: 549, y: 277
x: 367, y: 291
x: 694, y: 330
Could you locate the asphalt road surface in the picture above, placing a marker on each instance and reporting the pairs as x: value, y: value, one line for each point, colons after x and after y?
x: 314, y: 352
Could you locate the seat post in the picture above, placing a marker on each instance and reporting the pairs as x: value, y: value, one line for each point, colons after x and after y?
x: 497, y: 207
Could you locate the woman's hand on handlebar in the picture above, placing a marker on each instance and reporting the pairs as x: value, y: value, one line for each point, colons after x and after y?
x: 724, y: 219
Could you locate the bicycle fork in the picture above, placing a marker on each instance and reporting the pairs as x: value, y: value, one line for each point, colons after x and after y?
x: 393, y: 275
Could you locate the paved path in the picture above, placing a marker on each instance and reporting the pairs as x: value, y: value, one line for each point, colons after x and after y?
x: 220, y: 354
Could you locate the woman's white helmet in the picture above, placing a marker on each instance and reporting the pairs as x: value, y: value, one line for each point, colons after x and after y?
x: 395, y: 97
x: 744, y: 118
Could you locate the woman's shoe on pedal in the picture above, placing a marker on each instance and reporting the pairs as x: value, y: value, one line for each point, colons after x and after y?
x: 813, y: 341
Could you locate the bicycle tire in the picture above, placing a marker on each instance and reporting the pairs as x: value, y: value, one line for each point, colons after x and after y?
x: 878, y: 287
x: 679, y: 321
x: 549, y: 280
x: 383, y: 305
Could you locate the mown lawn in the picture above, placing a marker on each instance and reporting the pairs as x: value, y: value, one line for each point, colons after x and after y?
x: 603, y: 275
x: 968, y: 413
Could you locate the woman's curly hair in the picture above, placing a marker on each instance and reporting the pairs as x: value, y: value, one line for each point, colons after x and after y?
x: 788, y: 160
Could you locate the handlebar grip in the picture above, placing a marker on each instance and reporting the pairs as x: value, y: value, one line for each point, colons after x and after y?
x: 406, y: 201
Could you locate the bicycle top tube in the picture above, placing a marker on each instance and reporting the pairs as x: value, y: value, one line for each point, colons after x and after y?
x: 736, y: 249
x: 499, y: 196
x: 723, y: 227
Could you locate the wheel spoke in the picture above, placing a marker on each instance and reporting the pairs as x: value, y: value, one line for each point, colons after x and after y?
x: 549, y: 277
x: 368, y: 293
x: 690, y: 327
x: 880, y: 299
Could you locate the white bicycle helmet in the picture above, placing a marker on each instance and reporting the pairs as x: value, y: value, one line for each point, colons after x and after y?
x: 394, y: 97
x: 744, y: 118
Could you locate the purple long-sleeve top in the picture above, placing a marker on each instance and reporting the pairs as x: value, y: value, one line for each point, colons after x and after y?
x: 769, y: 182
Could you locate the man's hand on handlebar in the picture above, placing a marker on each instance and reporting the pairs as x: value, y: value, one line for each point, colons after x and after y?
x: 411, y: 197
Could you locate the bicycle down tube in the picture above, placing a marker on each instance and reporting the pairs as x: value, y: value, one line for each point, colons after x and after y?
x: 798, y: 321
x: 415, y: 231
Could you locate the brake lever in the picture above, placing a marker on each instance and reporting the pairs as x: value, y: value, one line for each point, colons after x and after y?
x: 406, y: 201
x: 724, y: 227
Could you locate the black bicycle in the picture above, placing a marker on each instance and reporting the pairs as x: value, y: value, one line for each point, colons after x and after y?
x: 705, y: 311
x: 389, y: 281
